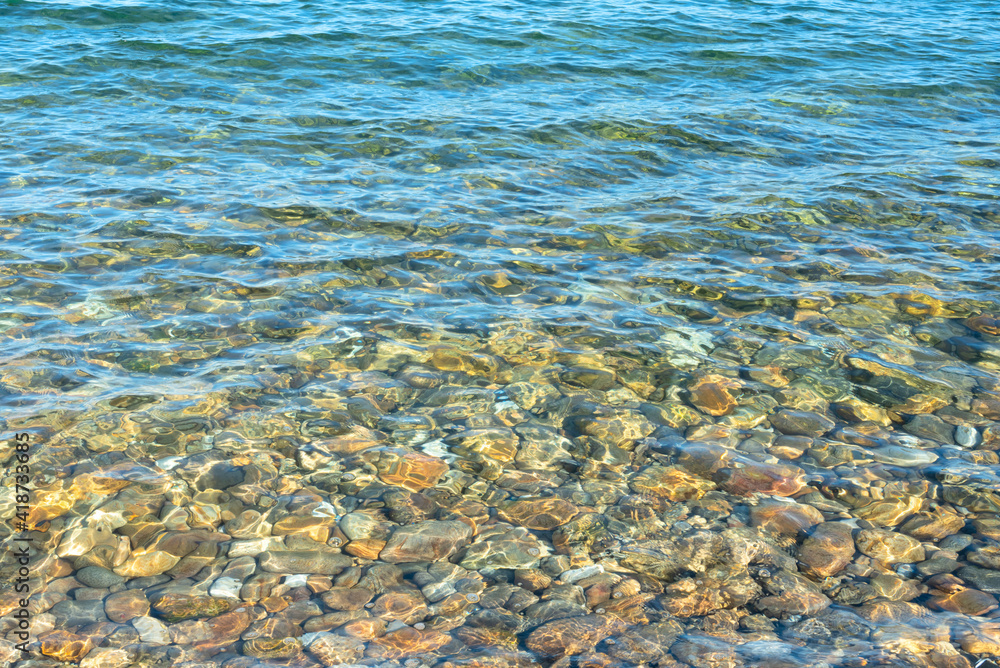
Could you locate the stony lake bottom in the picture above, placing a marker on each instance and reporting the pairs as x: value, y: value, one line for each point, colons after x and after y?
x: 446, y: 334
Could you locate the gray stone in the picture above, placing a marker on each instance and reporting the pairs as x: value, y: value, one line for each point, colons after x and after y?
x: 898, y: 455
x: 957, y: 542
x: 967, y: 436
x: 78, y: 613
x: 589, y: 377
x: 930, y: 427
x: 98, y: 578
x: 983, y: 579
x: 801, y: 423
x: 304, y: 561
x: 147, y: 581
x: 514, y: 549
x: 542, y: 446
x: 545, y: 611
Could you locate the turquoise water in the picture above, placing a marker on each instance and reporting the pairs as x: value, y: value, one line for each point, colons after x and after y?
x: 277, y: 141
x: 257, y: 212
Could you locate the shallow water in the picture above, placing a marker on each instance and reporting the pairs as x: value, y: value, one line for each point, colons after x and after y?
x: 591, y: 279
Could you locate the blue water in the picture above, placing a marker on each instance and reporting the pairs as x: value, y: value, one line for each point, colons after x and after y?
x: 195, y: 197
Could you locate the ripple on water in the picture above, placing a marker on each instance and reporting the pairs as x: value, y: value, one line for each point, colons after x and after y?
x: 494, y: 334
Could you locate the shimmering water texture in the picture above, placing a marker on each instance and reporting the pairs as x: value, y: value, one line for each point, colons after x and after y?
x: 497, y: 334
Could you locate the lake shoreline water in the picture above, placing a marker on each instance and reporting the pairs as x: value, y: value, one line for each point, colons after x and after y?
x: 464, y: 335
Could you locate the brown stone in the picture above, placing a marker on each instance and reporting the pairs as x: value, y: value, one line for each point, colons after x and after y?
x: 316, y: 562
x: 316, y: 528
x: 966, y: 601
x: 920, y: 404
x: 988, y: 406
x: 791, y: 594
x: 988, y: 527
x: 453, y: 605
x: 801, y: 423
x: 574, y: 635
x: 885, y: 612
x: 747, y: 477
x: 101, y: 657
x: 126, y: 605
x: 345, y: 598
x: 431, y: 540
x: 227, y: 628
x: 713, y: 395
x: 532, y: 579
x: 856, y: 410
x: 670, y: 483
x: 889, y: 547
x: 828, y: 550
x: 629, y: 609
x: 406, y: 642
x: 932, y: 527
x: 889, y: 512
x: 65, y: 646
x: 981, y: 641
x: 365, y: 548
x: 784, y: 518
x: 690, y: 597
x: 411, y: 470
x: 408, y: 607
x: 364, y: 629
x: 275, y: 627
x: 984, y: 324
x: 540, y: 514
x: 894, y: 588
x: 144, y: 563
x: 359, y: 439
x: 272, y: 648
x: 332, y: 620
x: 273, y: 604
x: 499, y: 443
x: 334, y: 650
x: 704, y: 458
x: 484, y: 638
x: 177, y: 607
x: 991, y: 438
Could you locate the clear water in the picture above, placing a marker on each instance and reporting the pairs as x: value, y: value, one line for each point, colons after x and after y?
x: 195, y: 198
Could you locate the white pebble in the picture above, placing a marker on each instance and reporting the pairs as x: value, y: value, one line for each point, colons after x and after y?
x: 967, y: 436
x: 151, y: 630
x: 226, y: 587
x: 297, y: 580
x: 571, y: 576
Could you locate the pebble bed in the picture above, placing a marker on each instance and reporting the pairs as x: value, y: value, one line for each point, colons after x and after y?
x: 422, y: 502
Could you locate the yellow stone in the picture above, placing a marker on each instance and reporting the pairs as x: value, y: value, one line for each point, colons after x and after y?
x: 316, y: 528
x: 920, y: 403
x: 106, y: 657
x: 982, y: 641
x: 65, y: 646
x: 359, y: 439
x: 670, y: 483
x: 143, y: 564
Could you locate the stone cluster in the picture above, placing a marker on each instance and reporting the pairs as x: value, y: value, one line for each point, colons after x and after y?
x: 513, y: 504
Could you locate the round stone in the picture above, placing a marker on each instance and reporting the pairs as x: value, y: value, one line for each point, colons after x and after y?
x: 713, y: 395
x: 889, y: 547
x: 431, y: 540
x: 539, y: 513
x: 98, y: 577
x: 828, y: 550
x: 801, y: 423
x: 575, y: 635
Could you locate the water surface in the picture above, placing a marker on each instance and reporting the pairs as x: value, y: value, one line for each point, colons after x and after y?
x: 466, y: 233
